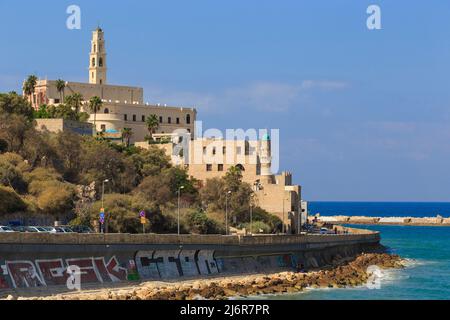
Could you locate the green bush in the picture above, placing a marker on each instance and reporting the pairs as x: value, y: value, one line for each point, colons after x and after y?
x: 10, y: 201
x: 199, y: 223
x: 258, y: 227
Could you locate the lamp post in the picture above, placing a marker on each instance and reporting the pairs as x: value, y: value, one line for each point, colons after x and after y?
x: 226, y: 212
x: 179, y: 198
x: 103, y: 200
x: 251, y: 214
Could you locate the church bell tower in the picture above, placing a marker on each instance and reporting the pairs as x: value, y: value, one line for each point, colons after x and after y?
x: 97, y: 58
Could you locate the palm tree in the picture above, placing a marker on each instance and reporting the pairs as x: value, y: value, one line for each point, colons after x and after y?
x: 60, y: 86
x: 29, y: 86
x: 75, y: 101
x: 127, y: 133
x: 95, y: 103
x: 152, y: 123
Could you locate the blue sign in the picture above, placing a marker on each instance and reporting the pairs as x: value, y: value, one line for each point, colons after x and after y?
x: 142, y: 214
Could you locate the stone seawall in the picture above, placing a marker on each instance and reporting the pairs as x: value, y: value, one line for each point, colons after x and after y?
x: 41, y: 260
x: 399, y: 221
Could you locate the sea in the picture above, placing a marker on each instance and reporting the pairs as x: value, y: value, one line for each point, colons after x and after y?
x: 426, y: 250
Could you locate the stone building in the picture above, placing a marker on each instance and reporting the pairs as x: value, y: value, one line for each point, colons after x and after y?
x: 123, y: 106
x: 210, y: 158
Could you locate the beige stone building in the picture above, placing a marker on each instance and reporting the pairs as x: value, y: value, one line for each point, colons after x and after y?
x: 209, y: 158
x: 61, y: 125
x: 123, y: 106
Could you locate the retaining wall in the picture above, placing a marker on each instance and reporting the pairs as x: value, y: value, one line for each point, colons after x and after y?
x: 41, y: 260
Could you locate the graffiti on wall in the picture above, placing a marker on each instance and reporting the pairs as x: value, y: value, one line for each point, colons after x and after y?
x: 167, y: 264
x: 53, y: 272
x: 145, y: 265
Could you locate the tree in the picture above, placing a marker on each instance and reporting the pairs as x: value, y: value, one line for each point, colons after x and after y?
x: 95, y: 103
x: 13, y: 129
x: 12, y: 103
x: 199, y: 223
x: 60, y: 86
x: 29, y: 87
x: 10, y: 201
x: 127, y: 133
x: 3, y: 146
x: 152, y: 123
x: 75, y: 101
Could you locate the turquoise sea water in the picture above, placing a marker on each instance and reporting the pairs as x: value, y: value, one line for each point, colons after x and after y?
x: 426, y: 248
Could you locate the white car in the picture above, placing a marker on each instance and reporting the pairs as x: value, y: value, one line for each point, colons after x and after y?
x: 6, y: 229
x: 36, y: 229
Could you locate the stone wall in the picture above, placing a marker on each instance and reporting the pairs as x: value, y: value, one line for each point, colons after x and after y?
x: 41, y: 260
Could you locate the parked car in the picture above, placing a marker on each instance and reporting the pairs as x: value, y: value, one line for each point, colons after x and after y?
x: 82, y: 229
x: 36, y: 229
x: 52, y: 229
x: 326, y: 231
x: 4, y: 229
x: 19, y: 228
x: 63, y: 230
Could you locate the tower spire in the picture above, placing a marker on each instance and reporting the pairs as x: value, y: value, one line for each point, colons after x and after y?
x: 97, y: 58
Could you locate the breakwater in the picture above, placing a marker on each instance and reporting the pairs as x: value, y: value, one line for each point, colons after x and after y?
x: 399, y: 221
x: 41, y: 260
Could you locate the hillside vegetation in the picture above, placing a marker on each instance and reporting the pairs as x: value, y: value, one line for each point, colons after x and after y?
x: 48, y: 177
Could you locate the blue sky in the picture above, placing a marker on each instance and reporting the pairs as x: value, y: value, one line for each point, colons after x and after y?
x: 364, y: 115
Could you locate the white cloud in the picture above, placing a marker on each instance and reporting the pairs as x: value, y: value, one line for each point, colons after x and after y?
x: 257, y: 96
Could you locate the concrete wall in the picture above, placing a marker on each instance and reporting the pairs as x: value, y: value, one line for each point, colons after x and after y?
x: 41, y: 260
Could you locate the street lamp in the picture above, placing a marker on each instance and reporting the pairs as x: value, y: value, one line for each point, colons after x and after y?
x: 103, y: 202
x: 103, y: 192
x: 226, y: 212
x: 179, y: 196
x: 251, y: 214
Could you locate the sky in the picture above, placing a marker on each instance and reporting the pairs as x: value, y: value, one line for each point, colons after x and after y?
x: 363, y: 114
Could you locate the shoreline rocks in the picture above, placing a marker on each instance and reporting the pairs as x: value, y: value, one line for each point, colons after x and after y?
x: 344, y: 274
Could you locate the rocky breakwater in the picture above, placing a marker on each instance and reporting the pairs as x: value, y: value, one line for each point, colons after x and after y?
x: 343, y: 274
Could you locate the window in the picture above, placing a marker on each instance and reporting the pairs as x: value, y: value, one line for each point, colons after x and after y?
x: 100, y: 62
x: 209, y: 167
x: 178, y: 120
x: 56, y: 100
x: 101, y: 81
x: 106, y: 111
x: 160, y: 119
x: 125, y: 117
x: 214, y: 151
x: 134, y: 117
x: 188, y: 119
x: 224, y: 150
x: 95, y: 48
x: 169, y: 120
x: 204, y: 150
x: 240, y: 167
x: 103, y: 127
x: 238, y: 150
x: 220, y: 167
x: 143, y: 118
x: 93, y: 62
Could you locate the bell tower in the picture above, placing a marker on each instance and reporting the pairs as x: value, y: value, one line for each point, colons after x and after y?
x: 97, y: 58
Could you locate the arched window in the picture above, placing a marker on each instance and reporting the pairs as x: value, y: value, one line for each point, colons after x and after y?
x: 106, y: 111
x: 100, y: 62
x: 188, y: 119
x: 95, y: 48
x: 240, y: 167
x: 93, y: 62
